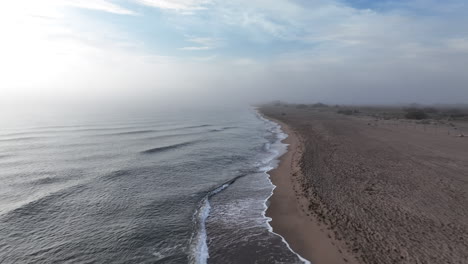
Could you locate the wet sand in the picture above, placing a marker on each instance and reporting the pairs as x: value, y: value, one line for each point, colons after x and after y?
x: 349, y: 191
x: 290, y: 215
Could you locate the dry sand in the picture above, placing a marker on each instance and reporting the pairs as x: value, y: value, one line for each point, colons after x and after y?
x: 370, y: 193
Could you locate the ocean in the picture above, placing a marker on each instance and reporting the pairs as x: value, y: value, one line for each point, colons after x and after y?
x: 166, y: 187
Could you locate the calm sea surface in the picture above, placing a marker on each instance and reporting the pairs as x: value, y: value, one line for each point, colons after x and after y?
x: 167, y: 187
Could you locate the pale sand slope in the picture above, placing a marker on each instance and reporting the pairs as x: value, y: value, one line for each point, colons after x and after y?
x: 391, y: 193
x: 290, y: 216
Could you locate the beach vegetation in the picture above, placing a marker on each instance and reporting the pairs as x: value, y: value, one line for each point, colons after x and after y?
x: 415, y: 114
x: 319, y: 105
x: 348, y: 111
x: 431, y: 110
x: 455, y: 113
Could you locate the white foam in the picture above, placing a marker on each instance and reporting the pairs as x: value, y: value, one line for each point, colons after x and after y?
x: 200, y: 250
x: 270, y: 228
x: 201, y: 247
x: 279, y: 149
x: 219, y: 189
x: 165, y: 252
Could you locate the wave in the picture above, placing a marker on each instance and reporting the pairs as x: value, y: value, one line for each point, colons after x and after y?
x: 200, y: 253
x: 20, y: 133
x: 117, y: 174
x: 199, y: 246
x: 130, y: 133
x: 47, y: 180
x: 5, y: 156
x: 42, y: 204
x: 68, y: 131
x: 221, y: 129
x: 183, y: 128
x: 173, y: 135
x: 166, y: 254
x: 100, y: 129
x: 31, y: 134
x: 166, y: 148
x: 266, y: 147
x: 19, y: 139
x: 147, y: 131
x: 197, y: 126
x: 37, y: 206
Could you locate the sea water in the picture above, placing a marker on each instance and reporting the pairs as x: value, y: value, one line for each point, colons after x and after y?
x: 165, y: 187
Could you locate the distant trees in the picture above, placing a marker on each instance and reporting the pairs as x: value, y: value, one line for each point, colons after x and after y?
x: 415, y: 113
x: 435, y: 113
x: 316, y: 105
x: 348, y: 111
x: 455, y: 113
x: 301, y: 106
x: 431, y: 110
x: 319, y: 105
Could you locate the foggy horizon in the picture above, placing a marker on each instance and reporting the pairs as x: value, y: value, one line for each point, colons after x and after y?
x: 240, y: 131
x: 146, y: 52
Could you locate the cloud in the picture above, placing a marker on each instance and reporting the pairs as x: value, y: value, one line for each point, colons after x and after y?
x: 44, y: 8
x: 101, y: 5
x: 44, y: 52
x: 320, y: 50
x: 458, y: 44
x: 203, y: 43
x: 260, y: 19
x: 197, y: 48
x: 176, y: 5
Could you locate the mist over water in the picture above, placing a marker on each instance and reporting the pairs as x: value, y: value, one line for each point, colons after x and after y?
x: 158, y: 187
x: 126, y: 134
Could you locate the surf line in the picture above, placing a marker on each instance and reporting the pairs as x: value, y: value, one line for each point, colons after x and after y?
x: 280, y: 135
x: 199, y: 246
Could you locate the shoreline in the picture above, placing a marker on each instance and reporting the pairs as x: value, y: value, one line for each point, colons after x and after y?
x: 289, y: 213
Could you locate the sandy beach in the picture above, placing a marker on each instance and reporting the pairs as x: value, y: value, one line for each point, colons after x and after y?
x: 352, y: 191
x: 289, y: 210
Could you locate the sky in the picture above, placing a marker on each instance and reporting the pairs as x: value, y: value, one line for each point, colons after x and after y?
x: 161, y: 52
